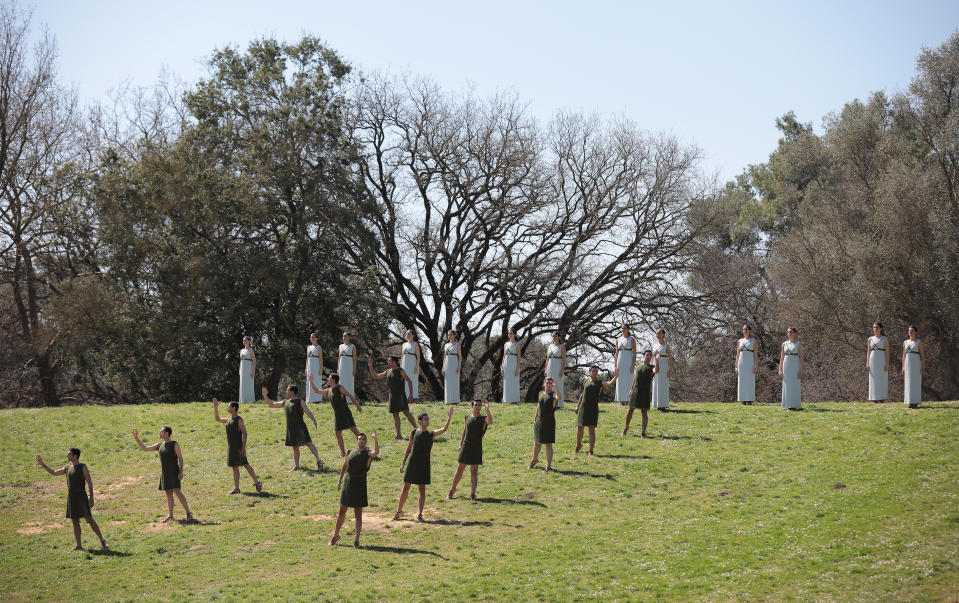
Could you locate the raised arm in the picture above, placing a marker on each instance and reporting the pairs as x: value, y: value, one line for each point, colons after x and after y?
x: 449, y: 417
x: 266, y: 398
x: 48, y: 469
x: 216, y: 411
x: 374, y: 374
x: 144, y: 448
x: 308, y: 412
x: 489, y: 415
x: 376, y: 447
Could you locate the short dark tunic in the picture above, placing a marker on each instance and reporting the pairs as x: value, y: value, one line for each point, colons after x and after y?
x: 342, y: 416
x: 397, y: 385
x: 296, y: 432
x: 472, y: 452
x: 642, y: 387
x: 544, y: 428
x: 353, y: 493
x: 78, y: 505
x: 169, y: 466
x: 589, y: 408
x: 234, y: 443
x: 418, y: 465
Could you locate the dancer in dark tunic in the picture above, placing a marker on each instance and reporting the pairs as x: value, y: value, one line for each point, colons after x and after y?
x: 544, y: 423
x: 587, y: 409
x: 171, y: 469
x: 642, y: 390
x: 353, y: 489
x: 296, y: 432
x: 471, y: 447
x: 339, y: 398
x: 397, y: 381
x: 418, y: 454
x: 235, y: 444
x: 78, y: 503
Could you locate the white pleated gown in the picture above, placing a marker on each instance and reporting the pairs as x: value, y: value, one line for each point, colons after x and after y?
x: 746, y: 381
x: 246, y: 381
x: 878, y: 375
x: 313, y: 368
x: 409, y: 365
x: 451, y: 384
x: 912, y: 388
x: 510, y: 378
x: 661, y: 380
x: 624, y: 362
x: 554, y: 369
x: 792, y: 396
x: 344, y: 367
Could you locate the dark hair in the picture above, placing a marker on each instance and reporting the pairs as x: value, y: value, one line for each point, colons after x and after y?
x: 475, y: 402
x: 167, y: 429
x: 248, y: 338
x: 420, y: 416
x: 661, y: 330
x: 335, y: 377
x: 360, y: 435
x: 647, y: 351
x: 593, y: 366
x: 292, y: 388
x: 626, y: 326
x: 348, y: 334
x: 394, y: 358
x: 313, y: 334
x: 453, y: 331
x: 513, y: 331
x: 235, y: 405
x: 412, y: 332
x: 882, y: 331
x: 747, y: 327
x: 793, y: 329
x: 913, y: 327
x: 75, y: 452
x: 557, y: 335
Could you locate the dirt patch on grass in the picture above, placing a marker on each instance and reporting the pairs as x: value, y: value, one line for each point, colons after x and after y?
x: 320, y: 517
x: 32, y: 528
x: 111, y: 490
x: 158, y: 527
x: 118, y: 522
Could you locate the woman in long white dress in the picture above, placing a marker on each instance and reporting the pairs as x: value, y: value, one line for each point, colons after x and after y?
x: 913, y: 367
x: 877, y: 364
x: 625, y: 360
x: 746, y: 367
x: 556, y: 366
x: 510, y: 367
x: 452, y: 361
x: 411, y: 362
x: 314, y: 366
x: 663, y: 359
x: 790, y: 369
x: 346, y: 365
x: 247, y: 370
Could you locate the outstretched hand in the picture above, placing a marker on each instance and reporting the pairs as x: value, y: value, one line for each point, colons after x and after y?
x: 136, y: 433
x: 263, y: 391
x: 39, y: 460
x: 452, y: 408
x: 216, y: 402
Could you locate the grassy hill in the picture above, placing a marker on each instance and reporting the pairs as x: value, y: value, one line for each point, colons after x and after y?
x: 839, y: 502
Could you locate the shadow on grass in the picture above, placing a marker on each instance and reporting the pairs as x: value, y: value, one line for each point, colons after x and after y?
x: 326, y: 469
x: 583, y: 474
x: 264, y: 495
x: 678, y: 437
x: 688, y: 411
x: 817, y: 409
x: 948, y: 407
x: 401, y: 550
x: 511, y: 501
x: 110, y: 553
x: 456, y: 522
x: 623, y: 456
x: 196, y: 522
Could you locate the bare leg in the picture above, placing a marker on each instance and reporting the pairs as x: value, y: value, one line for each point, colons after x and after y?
x: 339, y: 524
x: 592, y: 439
x: 316, y: 455
x: 409, y: 417
x: 629, y: 417
x: 396, y: 424
x: 169, y: 504
x: 421, y: 501
x: 256, y: 482
x: 96, y: 530
x: 76, y: 534
x: 456, y: 480
x: 296, y: 458
x: 549, y: 456
x: 536, y: 447
x: 358, y: 513
x: 645, y: 420
x: 579, y: 438
x: 403, y: 495
x: 186, y: 507
x: 339, y: 442
x: 474, y: 479
x: 236, y: 480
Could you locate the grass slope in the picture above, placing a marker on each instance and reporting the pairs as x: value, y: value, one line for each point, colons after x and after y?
x: 723, y: 502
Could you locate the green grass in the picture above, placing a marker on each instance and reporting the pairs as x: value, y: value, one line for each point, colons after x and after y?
x: 724, y: 502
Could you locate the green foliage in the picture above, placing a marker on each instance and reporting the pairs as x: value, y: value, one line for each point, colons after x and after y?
x: 722, y: 502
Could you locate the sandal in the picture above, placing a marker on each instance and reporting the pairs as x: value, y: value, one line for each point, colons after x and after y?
x: 397, y: 515
x: 259, y: 486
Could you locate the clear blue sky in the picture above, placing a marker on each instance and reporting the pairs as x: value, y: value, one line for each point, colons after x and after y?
x: 715, y: 74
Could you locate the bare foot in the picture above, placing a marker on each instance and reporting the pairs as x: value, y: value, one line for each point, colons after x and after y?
x: 295, y: 468
x: 334, y: 540
x: 624, y: 433
x: 644, y: 436
x: 76, y: 548
x: 103, y: 546
x: 235, y: 491
x: 356, y: 544
x: 473, y: 497
x: 590, y: 453
x: 548, y: 468
x: 533, y: 463
x: 398, y: 437
x: 449, y: 496
x: 170, y: 518
x: 577, y: 449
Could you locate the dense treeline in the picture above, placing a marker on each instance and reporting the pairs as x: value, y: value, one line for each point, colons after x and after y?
x: 285, y: 194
